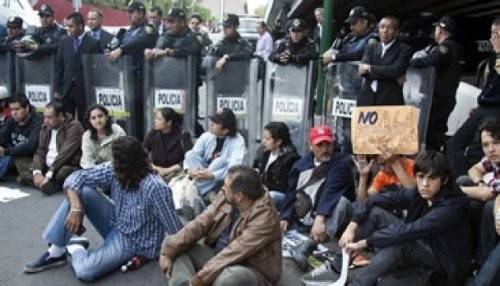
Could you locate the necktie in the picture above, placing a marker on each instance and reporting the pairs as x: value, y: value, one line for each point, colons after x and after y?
x: 76, y: 44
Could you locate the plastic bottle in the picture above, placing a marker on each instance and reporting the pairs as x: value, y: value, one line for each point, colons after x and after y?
x: 132, y: 264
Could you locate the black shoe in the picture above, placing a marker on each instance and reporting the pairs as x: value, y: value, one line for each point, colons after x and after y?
x: 50, y: 188
x: 81, y: 241
x: 44, y: 262
x: 302, y: 252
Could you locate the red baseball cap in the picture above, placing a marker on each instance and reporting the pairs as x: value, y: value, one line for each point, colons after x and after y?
x: 320, y: 133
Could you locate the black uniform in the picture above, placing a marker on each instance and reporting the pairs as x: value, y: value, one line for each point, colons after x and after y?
x: 300, y: 53
x: 6, y: 45
x: 49, y: 39
x: 134, y: 42
x: 183, y: 45
x: 445, y: 58
x: 235, y: 47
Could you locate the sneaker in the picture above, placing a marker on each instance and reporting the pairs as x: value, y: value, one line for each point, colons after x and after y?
x: 44, y: 262
x: 301, y: 253
x: 76, y: 243
x: 50, y: 188
x: 323, y: 275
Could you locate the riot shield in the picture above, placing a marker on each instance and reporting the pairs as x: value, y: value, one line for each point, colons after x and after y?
x: 170, y: 82
x: 342, y: 86
x: 235, y: 87
x: 289, y: 98
x: 7, y: 72
x: 417, y: 91
x: 36, y: 77
x: 112, y: 85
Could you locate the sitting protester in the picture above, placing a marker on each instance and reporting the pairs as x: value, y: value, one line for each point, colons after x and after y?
x: 237, y: 241
x: 132, y: 223
x: 275, y: 159
x: 97, y: 140
x: 433, y: 237
x: 59, y: 149
x: 214, y: 153
x: 394, y: 170
x: 167, y: 143
x: 319, y: 195
x: 19, y: 137
x: 4, y: 106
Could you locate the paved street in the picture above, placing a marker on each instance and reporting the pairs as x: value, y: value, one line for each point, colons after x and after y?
x: 22, y: 222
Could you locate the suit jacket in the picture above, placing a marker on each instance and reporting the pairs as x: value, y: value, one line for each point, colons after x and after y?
x: 104, y: 39
x: 386, y: 71
x: 69, y: 66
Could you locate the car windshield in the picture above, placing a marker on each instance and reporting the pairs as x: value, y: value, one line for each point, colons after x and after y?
x: 248, y: 25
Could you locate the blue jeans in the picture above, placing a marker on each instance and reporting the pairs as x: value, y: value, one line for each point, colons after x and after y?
x: 489, y: 249
x: 5, y: 163
x: 277, y: 198
x: 109, y: 256
x: 194, y: 161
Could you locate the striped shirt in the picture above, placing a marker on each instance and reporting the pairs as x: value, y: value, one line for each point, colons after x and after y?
x: 143, y: 216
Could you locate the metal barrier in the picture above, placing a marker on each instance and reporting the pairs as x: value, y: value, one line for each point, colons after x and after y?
x: 170, y: 82
x: 7, y: 72
x: 36, y: 77
x: 235, y: 86
x: 289, y: 98
x: 112, y: 85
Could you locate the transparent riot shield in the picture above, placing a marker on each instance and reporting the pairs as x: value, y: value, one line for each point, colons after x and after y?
x: 342, y: 86
x: 112, y: 85
x: 417, y: 91
x: 7, y: 72
x: 289, y: 98
x: 36, y: 77
x: 170, y: 82
x: 235, y: 86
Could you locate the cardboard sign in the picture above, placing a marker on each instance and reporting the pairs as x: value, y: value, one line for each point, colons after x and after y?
x: 113, y: 99
x: 237, y: 104
x: 173, y: 98
x: 391, y: 127
x: 287, y: 109
x: 343, y: 107
x: 38, y: 95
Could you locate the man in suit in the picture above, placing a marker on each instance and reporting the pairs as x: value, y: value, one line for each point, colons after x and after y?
x: 94, y: 21
x: 69, y: 87
x: 156, y: 20
x: 384, y: 66
x: 318, y: 15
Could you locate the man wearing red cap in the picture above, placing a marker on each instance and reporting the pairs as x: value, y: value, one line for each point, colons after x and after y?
x: 318, y: 186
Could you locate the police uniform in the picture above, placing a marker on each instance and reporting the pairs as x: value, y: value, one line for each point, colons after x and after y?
x: 48, y: 38
x: 234, y: 47
x: 184, y: 44
x: 6, y: 45
x: 445, y: 57
x: 135, y: 40
x: 300, y: 53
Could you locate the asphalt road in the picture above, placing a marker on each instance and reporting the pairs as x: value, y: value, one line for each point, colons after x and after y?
x: 22, y: 222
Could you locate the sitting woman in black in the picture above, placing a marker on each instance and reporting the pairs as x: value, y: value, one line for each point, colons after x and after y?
x: 167, y: 143
x: 274, y: 160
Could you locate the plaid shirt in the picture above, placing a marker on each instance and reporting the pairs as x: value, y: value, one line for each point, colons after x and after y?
x: 142, y: 216
x: 492, y: 177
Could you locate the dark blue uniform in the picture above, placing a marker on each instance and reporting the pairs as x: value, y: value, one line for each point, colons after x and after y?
x: 235, y: 47
x: 136, y: 40
x: 49, y: 39
x: 300, y: 53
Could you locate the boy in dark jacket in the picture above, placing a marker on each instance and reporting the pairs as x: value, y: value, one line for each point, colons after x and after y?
x: 19, y: 135
x: 435, y: 235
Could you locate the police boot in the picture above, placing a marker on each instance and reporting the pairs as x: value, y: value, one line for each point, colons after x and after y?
x: 302, y: 252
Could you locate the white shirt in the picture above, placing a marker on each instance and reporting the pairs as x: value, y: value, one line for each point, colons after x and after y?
x: 264, y: 45
x: 52, y: 152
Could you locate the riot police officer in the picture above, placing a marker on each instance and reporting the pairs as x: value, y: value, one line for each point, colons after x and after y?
x: 178, y: 41
x: 296, y: 48
x: 444, y: 56
x: 14, y: 34
x: 232, y: 47
x: 133, y: 42
x: 48, y: 34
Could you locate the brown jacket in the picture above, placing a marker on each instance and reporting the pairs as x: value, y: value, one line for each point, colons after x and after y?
x: 68, y: 142
x: 255, y: 240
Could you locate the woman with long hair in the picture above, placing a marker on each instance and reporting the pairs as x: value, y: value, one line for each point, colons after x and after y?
x: 167, y: 143
x: 275, y: 159
x: 96, y: 141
